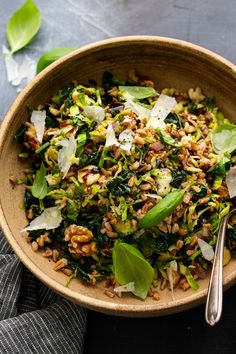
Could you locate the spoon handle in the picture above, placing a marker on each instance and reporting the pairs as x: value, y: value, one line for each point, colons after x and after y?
x: 215, y: 291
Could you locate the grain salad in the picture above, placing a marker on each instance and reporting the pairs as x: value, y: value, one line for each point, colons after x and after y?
x: 128, y: 182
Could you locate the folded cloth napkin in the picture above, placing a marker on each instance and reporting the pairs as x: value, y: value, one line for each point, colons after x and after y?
x: 34, y: 319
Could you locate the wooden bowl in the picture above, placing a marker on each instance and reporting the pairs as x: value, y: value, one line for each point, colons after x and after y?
x: 170, y: 63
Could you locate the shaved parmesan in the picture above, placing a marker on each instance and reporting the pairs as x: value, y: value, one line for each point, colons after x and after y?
x: 125, y: 288
x: 126, y: 138
x: 111, y: 137
x: 154, y: 196
x: 231, y: 181
x: 38, y: 120
x: 127, y: 119
x: 206, y: 249
x: 66, y: 155
x: 11, y: 65
x: 95, y: 113
x: 27, y: 71
x: 16, y: 73
x: 160, y: 111
x: 138, y: 109
x: 48, y: 220
x: 172, y: 274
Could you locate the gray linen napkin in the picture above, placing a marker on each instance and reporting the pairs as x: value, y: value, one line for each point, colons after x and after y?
x: 34, y: 319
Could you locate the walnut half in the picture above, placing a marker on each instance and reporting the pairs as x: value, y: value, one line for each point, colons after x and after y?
x: 80, y: 244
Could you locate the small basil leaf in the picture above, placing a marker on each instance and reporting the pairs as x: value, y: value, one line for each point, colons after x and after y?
x: 39, y: 188
x: 52, y: 55
x: 224, y: 138
x: 130, y: 266
x: 138, y: 92
x: 164, y: 208
x: 23, y: 26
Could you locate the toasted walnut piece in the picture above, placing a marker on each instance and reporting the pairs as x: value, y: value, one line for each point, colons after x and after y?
x: 196, y: 94
x: 34, y: 246
x: 109, y: 293
x: 156, y: 296
x: 60, y: 264
x: 67, y: 271
x: 79, y: 238
x: 88, y: 175
x: 184, y: 284
x: 55, y: 255
x: 42, y: 239
x: 30, y: 214
x: 47, y: 253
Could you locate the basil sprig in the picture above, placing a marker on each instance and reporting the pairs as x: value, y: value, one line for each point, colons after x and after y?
x: 40, y: 188
x: 130, y: 266
x: 224, y: 138
x: 138, y: 92
x: 52, y: 55
x: 23, y: 26
x: 164, y: 208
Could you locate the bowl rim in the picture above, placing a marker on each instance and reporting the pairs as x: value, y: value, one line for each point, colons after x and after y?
x: 84, y: 300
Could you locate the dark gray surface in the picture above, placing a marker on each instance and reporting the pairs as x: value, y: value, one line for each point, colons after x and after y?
x: 73, y: 23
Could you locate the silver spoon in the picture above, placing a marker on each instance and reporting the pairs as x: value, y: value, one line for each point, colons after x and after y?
x: 215, y: 290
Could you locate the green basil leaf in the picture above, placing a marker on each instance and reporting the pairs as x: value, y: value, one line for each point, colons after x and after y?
x: 164, y: 208
x: 138, y: 92
x: 52, y: 55
x: 23, y: 26
x: 224, y: 138
x: 40, y: 188
x: 130, y: 266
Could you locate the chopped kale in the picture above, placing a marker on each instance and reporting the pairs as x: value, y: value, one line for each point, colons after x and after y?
x: 29, y: 200
x: 20, y: 134
x: 93, y: 158
x: 82, y: 271
x: 150, y: 245
x: 173, y: 118
x: 202, y: 193
x: 51, y: 122
x: 192, y: 108
x: 119, y: 185
x: 34, y: 234
x: 94, y: 224
x: 107, y: 80
x: 209, y: 103
x: 177, y: 178
x: 66, y: 94
x: 222, y: 167
x: 231, y: 234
